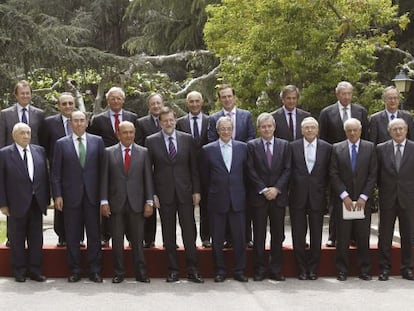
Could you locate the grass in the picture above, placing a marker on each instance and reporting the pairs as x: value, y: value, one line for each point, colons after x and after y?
x: 2, y: 231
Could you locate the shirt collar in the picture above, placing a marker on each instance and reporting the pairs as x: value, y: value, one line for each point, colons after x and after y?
x: 342, y: 106
x: 272, y: 141
x: 191, y: 116
x: 306, y: 143
x: 222, y: 143
x: 233, y: 111
x: 75, y: 137
x: 356, y: 143
x: 20, y: 107
x: 113, y: 113
x: 20, y: 148
x: 287, y: 111
x: 166, y: 137
x: 402, y: 143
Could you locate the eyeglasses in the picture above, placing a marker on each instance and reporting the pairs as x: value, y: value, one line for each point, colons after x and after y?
x: 67, y: 104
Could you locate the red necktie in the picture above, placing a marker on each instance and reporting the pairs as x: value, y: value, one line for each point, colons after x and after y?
x: 116, y: 122
x: 127, y: 160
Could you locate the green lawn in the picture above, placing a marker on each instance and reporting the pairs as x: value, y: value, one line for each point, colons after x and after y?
x: 2, y: 231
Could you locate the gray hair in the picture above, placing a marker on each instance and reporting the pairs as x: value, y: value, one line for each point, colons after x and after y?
x: 115, y: 89
x: 223, y: 119
x: 309, y: 120
x: 265, y: 116
x: 20, y: 126
x: 352, y: 121
x: 343, y: 85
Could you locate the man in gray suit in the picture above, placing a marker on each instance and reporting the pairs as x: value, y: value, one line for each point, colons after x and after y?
x: 378, y: 122
x: 177, y: 188
x: 353, y: 172
x: 288, y: 117
x: 126, y: 198
x: 396, y: 197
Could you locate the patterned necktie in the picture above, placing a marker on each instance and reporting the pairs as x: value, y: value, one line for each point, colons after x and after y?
x: 291, y: 126
x: 269, y: 155
x: 172, y: 152
x: 24, y: 117
x: 392, y: 117
x: 116, y: 122
x: 354, y: 155
x: 82, y: 152
x: 196, y: 133
x: 398, y: 157
x: 127, y: 160
x: 345, y: 116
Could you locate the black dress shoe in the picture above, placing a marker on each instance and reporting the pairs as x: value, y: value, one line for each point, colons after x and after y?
x: 241, y: 278
x: 408, y: 275
x: 227, y: 244
x: 118, y: 279
x: 73, y: 278
x: 258, y: 277
x: 302, y: 277
x: 143, y: 278
x: 95, y: 277
x: 61, y: 243
x: 195, y: 278
x: 277, y: 277
x: 312, y: 276
x: 249, y: 244
x: 82, y: 244
x: 104, y: 243
x: 20, y: 278
x: 330, y: 243
x: 172, y: 277
x: 365, y: 277
x: 149, y: 244
x: 206, y: 244
x: 384, y: 276
x: 219, y: 278
x: 36, y: 277
x: 341, y: 276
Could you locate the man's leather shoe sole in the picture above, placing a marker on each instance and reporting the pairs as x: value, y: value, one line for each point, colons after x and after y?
x: 195, y: 278
x: 118, y: 279
x: 73, y: 278
x: 219, y: 278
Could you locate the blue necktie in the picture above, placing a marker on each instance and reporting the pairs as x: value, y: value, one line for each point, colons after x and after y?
x: 24, y: 117
x: 354, y: 155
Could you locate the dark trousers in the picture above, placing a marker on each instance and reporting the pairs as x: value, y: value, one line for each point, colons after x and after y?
x: 59, y: 225
x: 128, y: 221
x: 361, y: 228
x: 27, y: 228
x: 204, y: 220
x: 387, y: 219
x: 168, y: 213
x: 300, y: 218
x: 150, y: 228
x: 276, y: 216
x: 74, y: 218
x: 237, y: 222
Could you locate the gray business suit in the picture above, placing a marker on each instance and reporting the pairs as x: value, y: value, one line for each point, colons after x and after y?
x: 9, y: 117
x: 127, y: 192
x: 378, y: 126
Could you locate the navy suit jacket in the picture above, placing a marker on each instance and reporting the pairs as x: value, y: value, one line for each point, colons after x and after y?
x: 69, y: 179
x: 282, y: 126
x: 225, y: 189
x: 245, y: 129
x: 101, y: 125
x: 52, y: 129
x: 16, y: 188
x: 261, y: 176
x: 378, y: 126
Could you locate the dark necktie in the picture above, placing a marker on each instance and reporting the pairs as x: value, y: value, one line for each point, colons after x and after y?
x: 398, y: 157
x: 157, y: 125
x: 196, y: 133
x: 269, y: 155
x: 24, y: 117
x: 345, y: 116
x: 116, y: 122
x: 354, y: 155
x: 172, y: 152
x: 25, y: 159
x: 291, y: 125
x: 82, y: 152
x: 392, y: 117
x: 127, y: 160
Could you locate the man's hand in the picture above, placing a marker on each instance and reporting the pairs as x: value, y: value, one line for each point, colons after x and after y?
x: 148, y: 210
x: 271, y: 193
x: 5, y: 210
x: 59, y: 203
x: 196, y: 199
x: 105, y: 210
x: 348, y: 203
x: 360, y: 204
x: 156, y: 201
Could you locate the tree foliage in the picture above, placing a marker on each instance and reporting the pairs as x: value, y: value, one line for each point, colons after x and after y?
x: 265, y: 44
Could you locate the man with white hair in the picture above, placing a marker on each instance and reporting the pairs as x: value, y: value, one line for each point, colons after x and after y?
x: 353, y: 172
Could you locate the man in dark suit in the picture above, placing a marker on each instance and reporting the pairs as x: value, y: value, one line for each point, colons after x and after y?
x: 196, y: 124
x: 55, y: 127
x: 106, y: 125
x: 24, y: 196
x: 331, y: 130
x: 378, y: 122
x: 177, y: 187
x: 353, y: 172
x: 396, y: 197
x: 268, y: 169
x: 126, y: 198
x: 21, y: 111
x: 147, y: 126
x: 243, y: 130
x: 76, y: 173
x: 288, y: 117
x: 307, y: 196
x: 223, y: 172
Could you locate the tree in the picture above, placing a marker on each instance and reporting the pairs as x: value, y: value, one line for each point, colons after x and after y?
x: 265, y: 44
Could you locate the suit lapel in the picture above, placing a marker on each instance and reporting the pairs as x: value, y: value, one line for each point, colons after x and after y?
x: 18, y: 161
x: 119, y: 159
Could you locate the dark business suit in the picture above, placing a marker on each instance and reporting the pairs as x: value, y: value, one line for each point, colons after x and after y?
x: 175, y: 181
x: 282, y: 126
x: 145, y: 126
x: 53, y: 128
x: 361, y: 181
x: 26, y: 201
x: 226, y: 201
x: 396, y: 197
x: 262, y: 176
x: 9, y: 117
x: 127, y: 193
x: 307, y: 202
x: 378, y: 126
x: 79, y: 188
x: 183, y: 124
